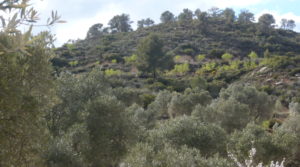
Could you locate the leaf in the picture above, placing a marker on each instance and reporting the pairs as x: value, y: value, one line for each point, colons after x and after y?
x: 27, y: 35
x: 14, y: 17
x: 3, y: 21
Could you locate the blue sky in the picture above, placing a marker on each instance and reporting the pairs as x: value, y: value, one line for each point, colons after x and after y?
x: 81, y: 14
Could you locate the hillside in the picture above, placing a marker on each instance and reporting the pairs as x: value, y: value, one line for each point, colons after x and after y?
x: 213, y: 37
x: 197, y: 90
x: 185, y: 40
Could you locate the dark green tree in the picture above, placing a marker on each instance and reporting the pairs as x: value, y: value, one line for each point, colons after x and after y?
x: 120, y: 23
x: 202, y: 19
x: 145, y: 23
x: 287, y: 24
x: 167, y: 17
x: 107, y: 132
x: 186, y: 16
x: 259, y: 103
x: 151, y: 55
x: 229, y: 15
x: 266, y: 22
x: 214, y: 12
x: 95, y: 30
x: 245, y: 17
x: 291, y: 24
x: 208, y: 138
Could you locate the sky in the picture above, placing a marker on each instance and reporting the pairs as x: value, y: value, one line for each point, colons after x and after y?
x: 82, y: 14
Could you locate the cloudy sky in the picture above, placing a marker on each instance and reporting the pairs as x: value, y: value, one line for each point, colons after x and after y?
x: 81, y: 14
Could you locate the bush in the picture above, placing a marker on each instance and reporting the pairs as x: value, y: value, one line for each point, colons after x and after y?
x: 160, y: 104
x: 180, y: 69
x: 227, y: 56
x: 112, y: 72
x: 156, y: 86
x: 200, y: 57
x: 108, y: 131
x: 132, y: 59
x: 188, y: 51
x: 231, y: 114
x: 128, y: 96
x: 259, y: 103
x: 228, y: 114
x: 209, y: 139
x: 269, y: 146
x: 147, y: 99
x: 207, y: 67
x: 73, y: 63
x: 177, y: 58
x: 215, y: 86
x: 276, y: 62
x: 291, y: 126
x: 198, y: 82
x: 144, y: 154
x: 183, y: 104
x: 253, y: 55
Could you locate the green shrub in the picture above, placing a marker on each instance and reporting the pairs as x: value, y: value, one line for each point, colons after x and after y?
x: 215, y: 86
x: 147, y: 99
x: 228, y: 114
x: 132, y: 59
x: 112, y: 72
x: 177, y: 58
x: 183, y: 104
x: 231, y: 114
x: 160, y: 104
x: 259, y: 103
x: 73, y: 63
x: 144, y: 154
x: 269, y: 146
x: 276, y: 62
x: 249, y: 65
x: 209, y: 139
x: 127, y: 95
x: 198, y: 82
x: 70, y: 46
x: 207, y: 67
x: 253, y: 55
x: 188, y: 51
x: 200, y: 57
x: 180, y: 69
x: 156, y: 86
x: 227, y: 56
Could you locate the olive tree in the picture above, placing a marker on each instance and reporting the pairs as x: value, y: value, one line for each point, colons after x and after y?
x: 26, y: 85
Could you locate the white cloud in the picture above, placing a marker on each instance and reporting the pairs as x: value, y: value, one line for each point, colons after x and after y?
x: 237, y: 3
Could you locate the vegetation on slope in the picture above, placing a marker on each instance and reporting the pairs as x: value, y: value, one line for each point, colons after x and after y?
x: 128, y: 109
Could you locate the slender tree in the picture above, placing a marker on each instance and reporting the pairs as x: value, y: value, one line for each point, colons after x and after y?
x: 151, y: 55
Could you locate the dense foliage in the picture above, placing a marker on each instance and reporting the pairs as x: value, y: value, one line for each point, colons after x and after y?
x: 220, y: 100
